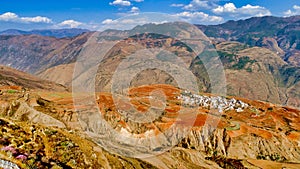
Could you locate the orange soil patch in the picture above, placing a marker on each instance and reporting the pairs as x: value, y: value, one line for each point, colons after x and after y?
x: 200, y: 120
x: 235, y: 133
x: 273, y: 165
x: 144, y: 91
x: 295, y: 136
x: 245, y: 129
x: 287, y: 117
x: 164, y: 126
x: 139, y: 99
x: 10, y: 88
x: 141, y: 105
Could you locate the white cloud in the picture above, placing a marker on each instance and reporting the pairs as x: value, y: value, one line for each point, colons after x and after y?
x: 229, y: 7
x: 120, y: 3
x: 244, y: 11
x: 131, y: 22
x: 135, y: 10
x: 199, y: 17
x: 254, y: 10
x: 107, y: 21
x: 288, y: 13
x: 177, y: 5
x: 294, y: 11
x: 199, y: 4
x: 8, y: 16
x: 37, y: 19
x: 122, y: 22
x: 12, y: 17
x: 70, y: 24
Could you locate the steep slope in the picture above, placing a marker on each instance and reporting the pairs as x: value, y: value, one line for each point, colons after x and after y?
x: 36, y: 146
x: 12, y: 77
x: 278, y: 34
x: 25, y: 52
x: 34, y: 53
x: 136, y: 43
x: 255, y: 73
x: 61, y: 74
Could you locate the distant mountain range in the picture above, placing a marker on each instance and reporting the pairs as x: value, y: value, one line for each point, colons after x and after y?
x: 58, y: 33
x: 266, y: 54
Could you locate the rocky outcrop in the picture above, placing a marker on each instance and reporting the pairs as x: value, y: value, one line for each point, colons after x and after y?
x: 218, y: 143
x: 21, y: 111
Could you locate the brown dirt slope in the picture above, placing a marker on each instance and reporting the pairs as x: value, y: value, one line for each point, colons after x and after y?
x: 12, y: 77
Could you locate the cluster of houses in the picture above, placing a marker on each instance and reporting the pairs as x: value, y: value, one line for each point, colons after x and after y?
x: 212, y: 102
x: 8, y: 165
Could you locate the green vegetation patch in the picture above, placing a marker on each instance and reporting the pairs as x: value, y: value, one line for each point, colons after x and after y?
x: 12, y: 91
x: 242, y: 63
x: 235, y: 126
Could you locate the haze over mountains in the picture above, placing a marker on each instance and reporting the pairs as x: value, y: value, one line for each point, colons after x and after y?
x: 58, y: 33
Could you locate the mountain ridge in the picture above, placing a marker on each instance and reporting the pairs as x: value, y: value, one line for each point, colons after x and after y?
x: 279, y: 34
x: 58, y: 33
x: 278, y: 78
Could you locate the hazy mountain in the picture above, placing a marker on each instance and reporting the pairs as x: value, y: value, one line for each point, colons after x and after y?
x: 58, y: 33
x: 281, y: 35
x: 33, y: 53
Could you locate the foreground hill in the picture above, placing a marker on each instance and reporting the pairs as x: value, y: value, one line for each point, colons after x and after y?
x: 248, y: 134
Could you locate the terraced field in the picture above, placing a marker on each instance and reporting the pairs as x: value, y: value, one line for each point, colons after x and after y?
x: 260, y: 135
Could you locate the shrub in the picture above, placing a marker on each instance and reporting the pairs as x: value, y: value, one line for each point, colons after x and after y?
x: 11, y: 91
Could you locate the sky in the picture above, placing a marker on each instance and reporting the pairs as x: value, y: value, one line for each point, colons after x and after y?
x: 101, y: 14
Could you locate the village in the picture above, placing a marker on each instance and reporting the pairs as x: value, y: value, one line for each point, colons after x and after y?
x: 222, y: 104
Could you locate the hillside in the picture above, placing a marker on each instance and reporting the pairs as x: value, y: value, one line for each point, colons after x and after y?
x: 14, y: 78
x: 281, y: 35
x: 251, y: 72
x: 248, y: 134
x: 274, y: 78
x: 35, y: 53
x: 258, y: 74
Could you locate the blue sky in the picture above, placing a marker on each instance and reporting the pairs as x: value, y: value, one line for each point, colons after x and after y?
x: 94, y: 14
